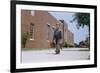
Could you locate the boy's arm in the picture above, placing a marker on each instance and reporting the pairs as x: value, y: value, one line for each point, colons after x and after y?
x: 60, y: 34
x: 54, y: 37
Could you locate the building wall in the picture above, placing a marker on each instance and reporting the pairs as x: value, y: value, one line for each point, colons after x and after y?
x: 68, y: 35
x: 41, y: 20
x: 70, y: 38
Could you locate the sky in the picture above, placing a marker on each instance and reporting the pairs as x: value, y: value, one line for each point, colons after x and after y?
x: 79, y: 34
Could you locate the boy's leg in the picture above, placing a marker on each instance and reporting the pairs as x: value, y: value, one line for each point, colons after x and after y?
x: 61, y: 46
x: 57, y: 47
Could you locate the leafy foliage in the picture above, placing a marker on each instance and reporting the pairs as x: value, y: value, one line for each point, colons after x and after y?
x: 83, y: 19
x: 85, y: 43
x: 24, y: 38
x: 66, y: 45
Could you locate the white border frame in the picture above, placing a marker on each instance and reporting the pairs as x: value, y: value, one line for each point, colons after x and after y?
x: 20, y: 65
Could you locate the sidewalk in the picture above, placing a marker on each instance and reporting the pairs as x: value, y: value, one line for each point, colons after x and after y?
x: 49, y: 55
x: 76, y: 49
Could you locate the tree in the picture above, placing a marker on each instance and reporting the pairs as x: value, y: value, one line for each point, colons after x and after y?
x: 24, y: 38
x: 76, y: 45
x: 85, y: 43
x: 83, y: 19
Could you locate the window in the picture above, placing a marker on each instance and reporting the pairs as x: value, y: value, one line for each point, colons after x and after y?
x: 31, y: 31
x: 48, y: 31
x: 32, y: 13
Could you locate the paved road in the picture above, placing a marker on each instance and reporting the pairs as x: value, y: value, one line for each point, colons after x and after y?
x: 49, y: 55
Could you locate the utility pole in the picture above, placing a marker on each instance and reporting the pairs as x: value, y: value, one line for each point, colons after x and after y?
x: 62, y: 21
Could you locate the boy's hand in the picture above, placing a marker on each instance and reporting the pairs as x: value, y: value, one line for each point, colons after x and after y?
x: 54, y: 41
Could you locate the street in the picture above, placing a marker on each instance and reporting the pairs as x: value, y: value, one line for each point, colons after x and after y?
x: 48, y: 55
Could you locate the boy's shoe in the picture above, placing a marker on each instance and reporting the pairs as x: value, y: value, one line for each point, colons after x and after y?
x: 57, y: 51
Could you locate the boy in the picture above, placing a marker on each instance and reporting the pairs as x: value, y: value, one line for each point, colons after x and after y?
x: 57, y: 38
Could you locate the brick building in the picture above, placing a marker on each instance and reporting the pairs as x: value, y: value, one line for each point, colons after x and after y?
x: 40, y: 25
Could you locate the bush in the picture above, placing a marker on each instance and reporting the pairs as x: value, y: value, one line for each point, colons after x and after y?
x: 65, y: 45
x: 71, y: 45
x: 24, y: 38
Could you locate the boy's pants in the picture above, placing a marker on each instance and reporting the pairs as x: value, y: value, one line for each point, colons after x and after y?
x: 57, y: 46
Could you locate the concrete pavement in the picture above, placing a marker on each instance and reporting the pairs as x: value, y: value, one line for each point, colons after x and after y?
x: 48, y: 55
